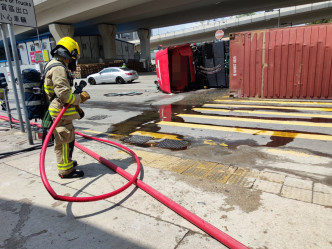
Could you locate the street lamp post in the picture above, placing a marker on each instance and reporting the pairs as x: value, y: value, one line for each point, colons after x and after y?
x: 278, y: 15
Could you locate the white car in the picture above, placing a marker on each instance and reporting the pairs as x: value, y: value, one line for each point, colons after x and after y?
x: 113, y: 75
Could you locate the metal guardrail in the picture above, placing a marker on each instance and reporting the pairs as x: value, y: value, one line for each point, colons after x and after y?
x: 236, y: 21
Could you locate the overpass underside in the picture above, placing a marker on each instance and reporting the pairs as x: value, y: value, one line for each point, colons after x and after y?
x: 207, y: 33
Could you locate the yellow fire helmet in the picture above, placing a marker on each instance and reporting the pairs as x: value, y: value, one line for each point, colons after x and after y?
x: 71, y: 48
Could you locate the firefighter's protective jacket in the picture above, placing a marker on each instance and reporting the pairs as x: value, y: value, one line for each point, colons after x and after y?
x: 57, y: 82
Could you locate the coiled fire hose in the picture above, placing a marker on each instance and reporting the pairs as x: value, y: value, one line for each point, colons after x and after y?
x: 99, y: 158
x: 194, y: 219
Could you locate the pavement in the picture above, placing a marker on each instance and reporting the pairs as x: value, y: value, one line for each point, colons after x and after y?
x: 258, y: 208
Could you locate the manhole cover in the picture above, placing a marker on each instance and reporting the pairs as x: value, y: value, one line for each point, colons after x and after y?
x: 135, y: 139
x: 122, y: 94
x: 97, y: 117
x: 172, y: 144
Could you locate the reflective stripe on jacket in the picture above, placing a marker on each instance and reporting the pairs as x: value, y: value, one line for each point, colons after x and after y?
x: 56, y: 82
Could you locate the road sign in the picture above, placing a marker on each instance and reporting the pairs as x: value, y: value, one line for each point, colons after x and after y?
x: 18, y: 12
x: 219, y: 34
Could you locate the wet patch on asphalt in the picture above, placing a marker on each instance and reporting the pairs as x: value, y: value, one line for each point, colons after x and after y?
x: 248, y: 200
x: 152, y: 114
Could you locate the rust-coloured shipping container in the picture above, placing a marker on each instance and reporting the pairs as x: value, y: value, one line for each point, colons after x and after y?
x: 282, y: 63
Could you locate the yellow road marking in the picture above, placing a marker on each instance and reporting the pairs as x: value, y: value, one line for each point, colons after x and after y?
x: 277, y: 102
x: 139, y: 133
x: 211, y: 142
x: 95, y: 132
x: 249, y: 131
x: 271, y: 107
x: 256, y: 120
x: 312, y: 115
x: 289, y: 152
x: 155, y: 135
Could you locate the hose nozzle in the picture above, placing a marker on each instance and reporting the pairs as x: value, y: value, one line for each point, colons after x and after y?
x: 80, y: 86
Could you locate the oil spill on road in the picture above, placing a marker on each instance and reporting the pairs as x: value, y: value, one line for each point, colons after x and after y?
x: 124, y: 106
x: 247, y: 200
x: 321, y: 120
x: 147, y: 122
x: 151, y: 115
x: 279, y: 141
x: 233, y: 145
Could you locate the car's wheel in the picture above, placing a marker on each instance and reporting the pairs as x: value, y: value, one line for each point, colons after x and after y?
x: 92, y: 81
x: 119, y: 80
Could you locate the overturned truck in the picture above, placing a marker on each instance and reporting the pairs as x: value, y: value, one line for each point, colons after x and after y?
x: 187, y: 67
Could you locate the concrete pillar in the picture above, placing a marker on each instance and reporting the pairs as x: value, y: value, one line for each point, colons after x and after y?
x: 108, y: 33
x: 61, y: 30
x: 144, y: 36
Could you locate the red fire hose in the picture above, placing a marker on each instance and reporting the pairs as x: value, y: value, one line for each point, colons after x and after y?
x: 99, y: 158
x: 194, y: 219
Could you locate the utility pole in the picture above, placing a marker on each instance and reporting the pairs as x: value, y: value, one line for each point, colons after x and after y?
x: 11, y: 71
x: 20, y: 82
x: 14, y: 16
x: 278, y: 15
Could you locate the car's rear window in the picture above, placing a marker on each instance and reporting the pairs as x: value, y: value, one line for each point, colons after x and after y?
x: 125, y: 69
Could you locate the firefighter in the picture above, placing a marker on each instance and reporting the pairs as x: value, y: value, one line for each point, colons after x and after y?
x: 57, y: 85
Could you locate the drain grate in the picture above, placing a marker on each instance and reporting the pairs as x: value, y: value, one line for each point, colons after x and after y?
x: 122, y: 94
x: 172, y: 144
x: 135, y: 139
x: 97, y: 117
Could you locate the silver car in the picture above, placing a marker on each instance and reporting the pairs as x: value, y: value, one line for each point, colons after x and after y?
x: 113, y: 75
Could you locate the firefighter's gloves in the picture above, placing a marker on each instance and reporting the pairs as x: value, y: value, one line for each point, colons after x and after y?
x: 84, y: 96
x: 80, y: 112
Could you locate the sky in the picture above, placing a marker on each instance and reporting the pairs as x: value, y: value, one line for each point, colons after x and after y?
x: 181, y: 26
x: 193, y: 24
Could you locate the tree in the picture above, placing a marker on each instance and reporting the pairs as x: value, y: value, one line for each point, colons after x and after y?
x: 320, y: 21
x: 247, y: 14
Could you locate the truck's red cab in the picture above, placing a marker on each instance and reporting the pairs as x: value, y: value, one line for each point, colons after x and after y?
x: 175, y: 68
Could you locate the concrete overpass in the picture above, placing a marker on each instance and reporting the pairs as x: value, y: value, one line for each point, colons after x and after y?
x: 129, y: 15
x: 206, y: 32
x: 108, y: 17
